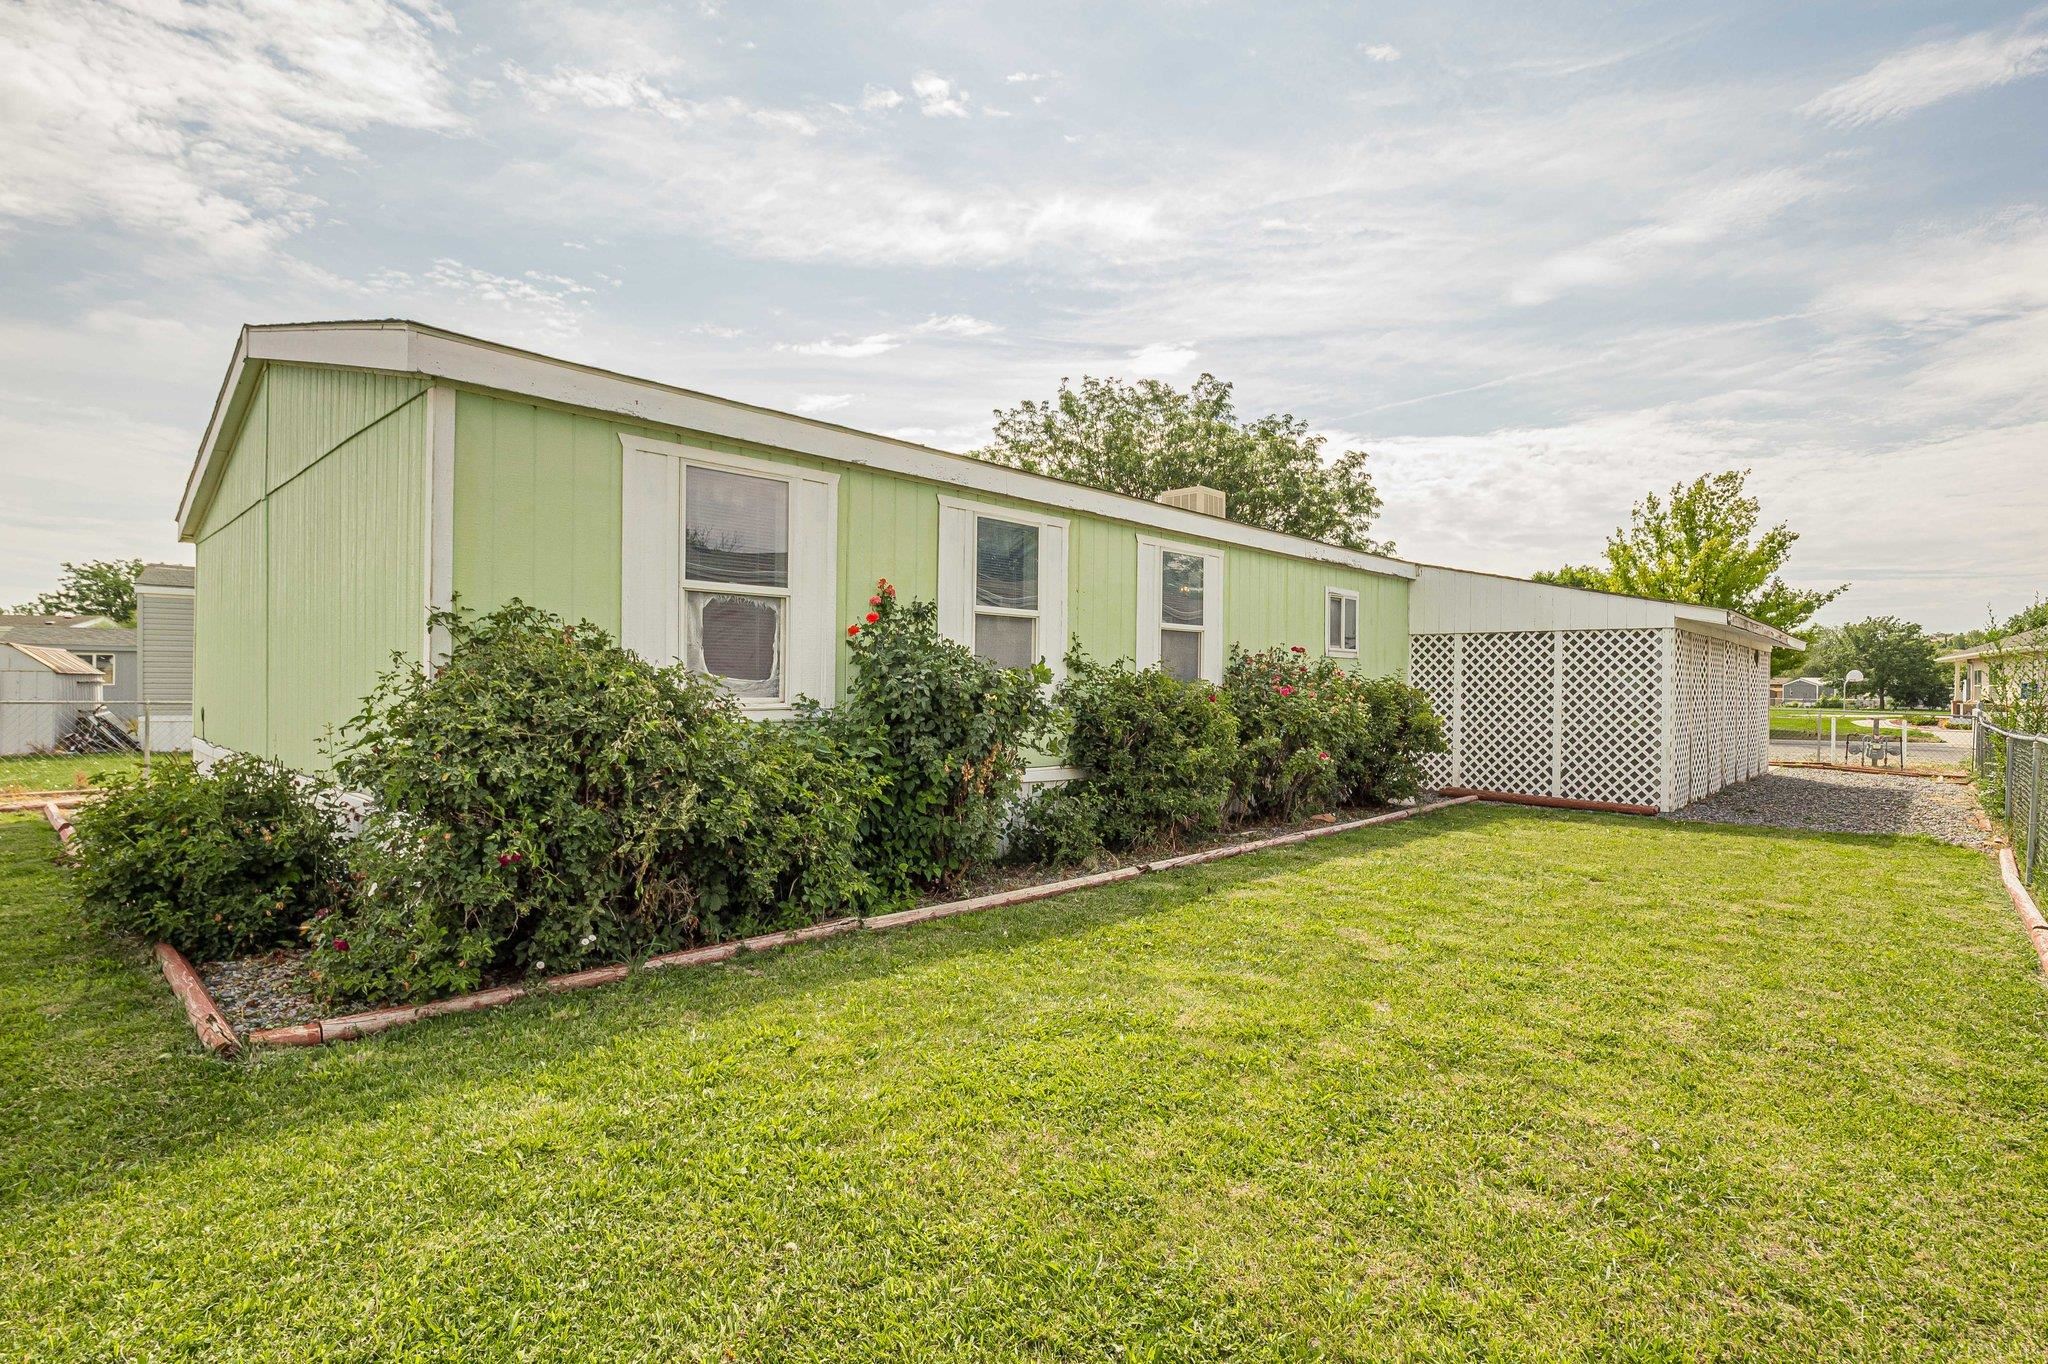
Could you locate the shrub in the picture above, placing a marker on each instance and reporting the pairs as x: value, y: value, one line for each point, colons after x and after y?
x: 945, y: 732
x: 215, y: 865
x: 1060, y: 826
x: 778, y: 844
x: 1285, y: 769
x: 1312, y: 735
x: 1157, y: 753
x: 1382, y: 728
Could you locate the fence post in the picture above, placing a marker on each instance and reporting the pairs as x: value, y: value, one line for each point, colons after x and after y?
x: 145, y: 738
x: 2034, y: 809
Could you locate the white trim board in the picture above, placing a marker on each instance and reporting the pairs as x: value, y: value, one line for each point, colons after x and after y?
x: 400, y: 347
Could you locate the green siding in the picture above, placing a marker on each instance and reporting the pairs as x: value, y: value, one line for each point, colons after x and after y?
x: 537, y: 517
x: 229, y: 637
x: 305, y: 593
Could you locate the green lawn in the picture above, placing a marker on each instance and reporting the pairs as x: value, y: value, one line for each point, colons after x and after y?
x: 68, y: 771
x: 1493, y: 1084
x: 1805, y: 719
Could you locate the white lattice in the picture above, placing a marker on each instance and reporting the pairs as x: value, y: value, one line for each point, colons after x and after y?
x: 1433, y: 667
x: 1694, y: 720
x: 1507, y: 700
x: 1612, y: 730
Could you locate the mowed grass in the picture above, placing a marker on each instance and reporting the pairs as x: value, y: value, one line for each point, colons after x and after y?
x: 1493, y: 1084
x: 69, y: 771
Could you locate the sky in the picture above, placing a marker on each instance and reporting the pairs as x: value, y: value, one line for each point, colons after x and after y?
x: 1538, y: 259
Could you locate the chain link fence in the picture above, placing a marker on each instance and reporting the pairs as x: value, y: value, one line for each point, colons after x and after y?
x: 51, y: 746
x: 2009, y: 765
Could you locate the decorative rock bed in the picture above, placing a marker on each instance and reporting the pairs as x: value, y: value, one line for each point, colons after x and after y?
x: 1821, y: 800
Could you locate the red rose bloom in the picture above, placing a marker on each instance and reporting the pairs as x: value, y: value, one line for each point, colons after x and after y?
x: 1296, y: 649
x: 1286, y: 691
x: 341, y: 944
x: 852, y: 630
x: 872, y: 618
x: 874, y: 601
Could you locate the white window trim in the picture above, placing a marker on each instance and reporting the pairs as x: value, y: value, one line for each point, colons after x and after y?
x: 957, y: 608
x: 1150, y: 587
x: 651, y: 583
x: 1340, y: 594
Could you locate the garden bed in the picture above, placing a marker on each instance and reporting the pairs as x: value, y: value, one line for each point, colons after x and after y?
x: 272, y: 990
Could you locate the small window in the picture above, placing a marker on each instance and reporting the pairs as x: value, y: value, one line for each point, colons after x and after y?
x: 103, y: 664
x: 736, y: 580
x: 1181, y: 614
x: 1006, y: 595
x: 1341, y: 632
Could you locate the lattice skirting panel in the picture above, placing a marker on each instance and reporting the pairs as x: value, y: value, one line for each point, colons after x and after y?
x: 1723, y: 715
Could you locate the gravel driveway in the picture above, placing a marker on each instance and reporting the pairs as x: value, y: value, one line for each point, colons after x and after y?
x: 1849, y: 803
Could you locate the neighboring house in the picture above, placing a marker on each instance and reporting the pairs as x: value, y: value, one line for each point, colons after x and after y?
x: 109, y: 648
x: 45, y: 691
x: 1806, y: 691
x: 2001, y: 671
x: 163, y: 630
x: 355, y: 475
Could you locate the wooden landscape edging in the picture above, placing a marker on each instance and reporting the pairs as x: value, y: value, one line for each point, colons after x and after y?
x: 200, y: 1010
x: 1605, y: 807
x: 2030, y: 913
x: 38, y: 800
x: 213, y: 1030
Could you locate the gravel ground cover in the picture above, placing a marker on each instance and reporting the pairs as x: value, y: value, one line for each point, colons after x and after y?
x: 264, y: 991
x: 1849, y: 803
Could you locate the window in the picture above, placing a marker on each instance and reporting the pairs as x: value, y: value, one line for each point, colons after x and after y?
x: 727, y: 566
x: 735, y: 579
x: 1340, y: 635
x: 105, y: 664
x: 1003, y: 583
x: 1005, y: 592
x: 1180, y: 610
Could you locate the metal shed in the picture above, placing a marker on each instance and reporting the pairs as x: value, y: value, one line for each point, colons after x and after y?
x: 1564, y: 694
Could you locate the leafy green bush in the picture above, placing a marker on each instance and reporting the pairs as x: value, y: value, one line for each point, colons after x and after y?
x: 1060, y: 826
x: 944, y: 731
x: 1285, y: 769
x: 1381, y: 729
x: 547, y: 800
x: 1156, y: 753
x: 215, y: 865
x: 1313, y: 735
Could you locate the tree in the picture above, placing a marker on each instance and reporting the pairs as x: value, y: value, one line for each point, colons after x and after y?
x: 104, y: 587
x: 1897, y: 661
x: 1703, y: 547
x: 1142, y: 439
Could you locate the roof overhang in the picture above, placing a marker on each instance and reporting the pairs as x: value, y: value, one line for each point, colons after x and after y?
x: 60, y: 661
x: 1716, y: 620
x: 401, y: 347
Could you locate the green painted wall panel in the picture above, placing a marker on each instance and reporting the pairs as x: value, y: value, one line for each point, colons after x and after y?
x: 242, y: 482
x: 306, y: 592
x: 229, y: 643
x: 347, y: 585
x: 311, y: 411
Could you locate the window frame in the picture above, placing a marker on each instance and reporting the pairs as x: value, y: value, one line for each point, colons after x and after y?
x: 654, y: 593
x: 783, y: 697
x: 106, y: 673
x: 1151, y: 606
x: 960, y: 577
x: 1349, y: 596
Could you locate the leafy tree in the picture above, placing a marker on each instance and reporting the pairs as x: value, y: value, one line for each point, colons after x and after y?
x: 104, y: 587
x: 1897, y: 661
x: 1145, y: 438
x: 1703, y: 547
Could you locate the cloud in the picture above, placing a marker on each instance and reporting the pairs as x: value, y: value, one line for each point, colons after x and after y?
x: 859, y: 349
x: 1380, y: 52
x: 1932, y: 72
x: 632, y: 90
x: 1160, y: 360
x: 811, y: 404
x: 193, y: 122
x: 879, y: 97
x: 956, y: 324
x: 937, y: 97
x: 1026, y: 77
x: 1697, y: 219
x: 553, y: 305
